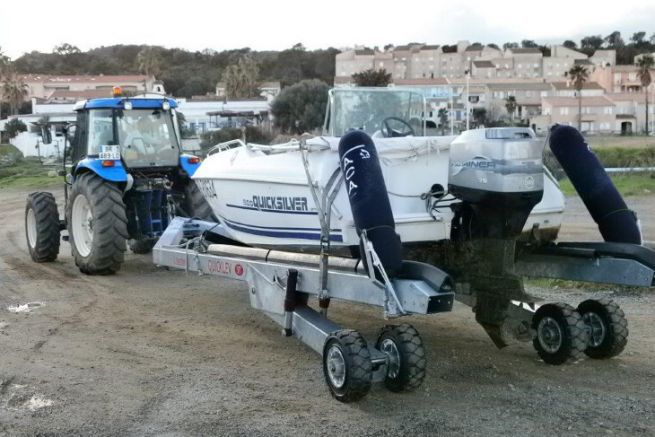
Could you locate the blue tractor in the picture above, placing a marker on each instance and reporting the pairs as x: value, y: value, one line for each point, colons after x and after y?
x: 126, y: 177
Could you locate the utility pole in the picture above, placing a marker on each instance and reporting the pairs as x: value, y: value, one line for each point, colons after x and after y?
x: 468, y: 103
x: 452, y: 113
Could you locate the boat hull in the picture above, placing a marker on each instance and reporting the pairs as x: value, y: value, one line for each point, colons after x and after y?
x: 263, y: 199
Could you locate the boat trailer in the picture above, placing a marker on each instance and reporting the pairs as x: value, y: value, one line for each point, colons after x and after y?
x: 280, y: 284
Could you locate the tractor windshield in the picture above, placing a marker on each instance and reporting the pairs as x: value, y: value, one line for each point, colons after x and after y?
x: 147, y: 138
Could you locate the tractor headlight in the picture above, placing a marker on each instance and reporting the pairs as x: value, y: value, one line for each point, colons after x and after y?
x: 127, y: 106
x: 165, y: 106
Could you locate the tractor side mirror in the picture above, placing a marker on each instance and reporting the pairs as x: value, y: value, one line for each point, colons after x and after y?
x: 46, y: 135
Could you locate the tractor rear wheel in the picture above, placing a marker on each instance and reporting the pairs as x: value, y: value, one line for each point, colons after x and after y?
x: 42, y: 227
x: 195, y: 203
x: 97, y: 225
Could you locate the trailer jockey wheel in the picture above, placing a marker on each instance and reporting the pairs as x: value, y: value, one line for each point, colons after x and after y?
x: 561, y: 335
x: 405, y: 357
x: 347, y: 365
x: 607, y: 328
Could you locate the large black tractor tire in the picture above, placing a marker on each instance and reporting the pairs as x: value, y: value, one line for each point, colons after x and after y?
x: 42, y: 227
x: 142, y: 246
x: 347, y: 365
x: 195, y: 204
x: 97, y: 225
x: 607, y: 326
x: 561, y: 335
x: 405, y: 357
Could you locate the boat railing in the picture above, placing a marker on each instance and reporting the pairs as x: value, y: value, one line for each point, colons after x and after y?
x: 292, y: 144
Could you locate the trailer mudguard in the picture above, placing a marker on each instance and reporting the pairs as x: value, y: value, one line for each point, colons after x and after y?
x: 368, y: 197
x: 615, y: 221
x: 115, y: 173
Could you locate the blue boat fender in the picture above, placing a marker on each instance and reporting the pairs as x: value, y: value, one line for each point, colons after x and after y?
x: 368, y: 197
x: 616, y: 222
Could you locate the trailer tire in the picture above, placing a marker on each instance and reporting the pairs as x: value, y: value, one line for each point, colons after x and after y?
x: 42, y: 227
x: 607, y: 328
x: 142, y: 246
x: 196, y: 205
x: 406, y: 357
x: 561, y: 335
x: 97, y: 225
x: 347, y: 365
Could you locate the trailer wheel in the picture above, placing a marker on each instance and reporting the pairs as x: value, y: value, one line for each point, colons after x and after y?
x: 561, y: 335
x: 405, y: 357
x: 607, y: 328
x: 42, y: 227
x: 195, y: 203
x: 97, y: 225
x: 347, y: 365
x: 142, y: 246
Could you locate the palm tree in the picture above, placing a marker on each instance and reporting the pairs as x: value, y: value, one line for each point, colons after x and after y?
x: 4, y: 65
x: 510, y: 105
x: 443, y: 119
x: 645, y: 64
x: 579, y: 75
x: 14, y: 90
x: 149, y: 61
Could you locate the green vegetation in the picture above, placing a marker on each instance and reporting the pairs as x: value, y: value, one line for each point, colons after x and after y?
x: 24, y: 172
x: 621, y: 142
x: 184, y: 73
x: 633, y: 184
x: 301, y: 107
x: 372, y: 77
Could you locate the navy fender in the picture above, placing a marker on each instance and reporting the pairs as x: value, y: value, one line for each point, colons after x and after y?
x: 615, y: 221
x: 368, y: 197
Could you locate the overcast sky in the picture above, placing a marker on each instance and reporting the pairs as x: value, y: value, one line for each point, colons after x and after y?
x: 260, y: 25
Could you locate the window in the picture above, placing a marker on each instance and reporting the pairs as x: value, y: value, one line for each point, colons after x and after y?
x: 607, y: 110
x: 564, y: 111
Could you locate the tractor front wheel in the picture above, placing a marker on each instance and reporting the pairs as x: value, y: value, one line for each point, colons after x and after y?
x: 97, y: 225
x: 42, y: 227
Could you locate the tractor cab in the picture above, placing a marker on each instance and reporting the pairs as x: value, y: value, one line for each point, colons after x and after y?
x: 136, y: 133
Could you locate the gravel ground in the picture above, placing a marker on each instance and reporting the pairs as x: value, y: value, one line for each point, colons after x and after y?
x: 156, y: 352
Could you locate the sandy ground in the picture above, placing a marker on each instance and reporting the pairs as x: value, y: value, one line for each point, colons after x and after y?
x: 156, y: 352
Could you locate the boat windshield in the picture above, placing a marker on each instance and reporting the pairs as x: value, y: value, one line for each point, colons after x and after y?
x: 380, y: 112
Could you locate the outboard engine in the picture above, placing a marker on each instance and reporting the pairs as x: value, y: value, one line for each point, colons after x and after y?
x: 616, y: 222
x: 368, y: 198
x: 498, y: 175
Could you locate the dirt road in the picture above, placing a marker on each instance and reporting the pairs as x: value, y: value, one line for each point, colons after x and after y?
x: 155, y: 352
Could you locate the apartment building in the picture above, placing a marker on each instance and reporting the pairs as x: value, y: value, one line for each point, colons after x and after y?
x: 528, y: 95
x: 415, y: 61
x: 567, y: 89
x: 598, y: 114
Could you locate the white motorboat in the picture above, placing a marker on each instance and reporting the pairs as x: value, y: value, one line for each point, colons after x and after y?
x: 262, y: 196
